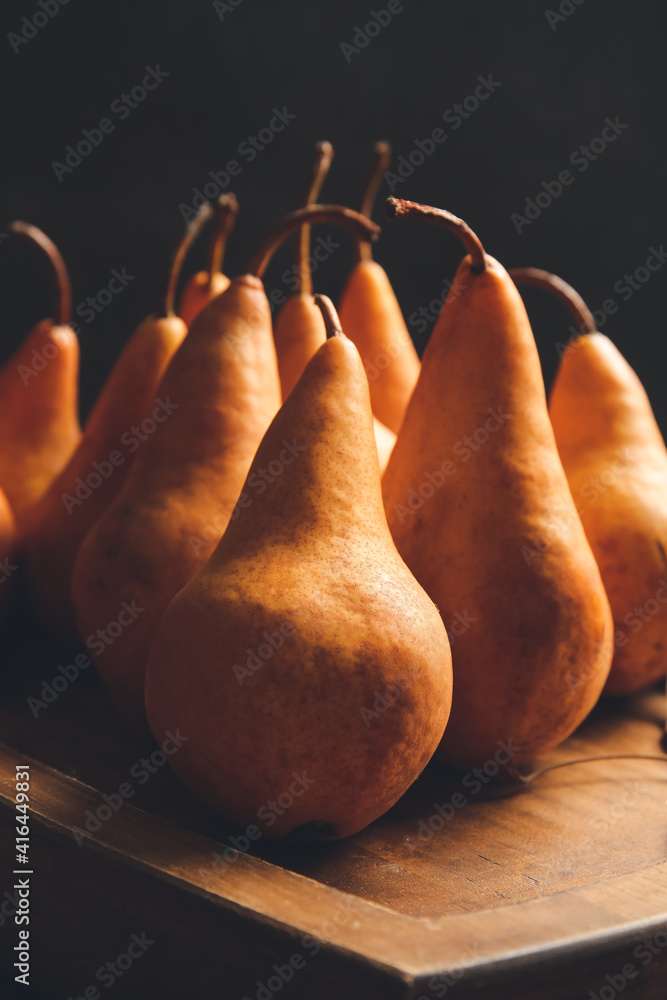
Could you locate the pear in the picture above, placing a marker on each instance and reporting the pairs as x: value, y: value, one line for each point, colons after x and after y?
x: 615, y: 460
x: 372, y: 318
x: 183, y: 485
x: 299, y: 329
x: 204, y: 286
x: 480, y: 509
x: 304, y: 663
x: 124, y: 416
x: 39, y: 397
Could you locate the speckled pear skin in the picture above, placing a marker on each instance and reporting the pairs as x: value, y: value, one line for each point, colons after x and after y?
x: 372, y: 318
x: 616, y: 463
x: 53, y: 533
x: 298, y: 332
x: 39, y: 417
x: 311, y: 554
x: 497, y: 544
x: 183, y: 485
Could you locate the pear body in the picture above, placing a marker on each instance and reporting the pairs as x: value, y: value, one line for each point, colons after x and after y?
x: 7, y: 551
x: 198, y: 291
x: 39, y: 422
x: 480, y: 509
x: 616, y: 464
x: 298, y: 333
x: 372, y: 318
x: 96, y: 470
x: 183, y: 486
x: 304, y: 661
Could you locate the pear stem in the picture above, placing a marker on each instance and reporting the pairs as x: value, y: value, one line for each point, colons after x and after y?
x: 226, y: 212
x: 559, y: 289
x: 63, y: 314
x: 330, y: 316
x: 399, y: 208
x: 167, y: 295
x: 381, y: 161
x: 362, y: 228
x: 321, y: 164
x: 527, y: 779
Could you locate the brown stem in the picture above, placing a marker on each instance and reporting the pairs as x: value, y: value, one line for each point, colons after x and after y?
x: 330, y: 316
x: 64, y: 288
x: 226, y: 212
x: 398, y: 207
x: 362, y: 227
x: 523, y: 780
x: 559, y: 289
x: 167, y: 295
x: 381, y: 160
x: 321, y: 163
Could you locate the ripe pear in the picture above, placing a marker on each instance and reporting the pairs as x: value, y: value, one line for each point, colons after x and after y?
x: 204, y: 286
x: 273, y: 658
x: 616, y: 464
x: 183, y: 486
x: 124, y: 416
x: 39, y: 398
x: 480, y: 509
x: 372, y: 318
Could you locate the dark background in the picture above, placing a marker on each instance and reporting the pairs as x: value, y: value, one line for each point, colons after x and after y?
x: 119, y: 208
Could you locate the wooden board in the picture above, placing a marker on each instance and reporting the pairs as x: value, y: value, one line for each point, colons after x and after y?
x: 548, y: 893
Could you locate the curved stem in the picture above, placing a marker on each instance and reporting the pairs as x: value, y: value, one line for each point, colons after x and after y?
x: 63, y: 314
x: 528, y: 778
x: 362, y: 227
x: 381, y: 160
x: 321, y: 163
x: 330, y: 316
x: 399, y: 208
x: 226, y: 211
x: 559, y: 289
x: 165, y: 302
